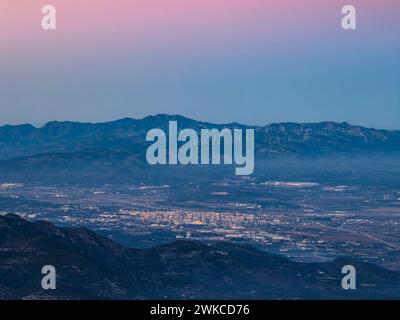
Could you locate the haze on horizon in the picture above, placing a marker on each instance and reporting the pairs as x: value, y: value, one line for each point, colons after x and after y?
x: 248, y: 61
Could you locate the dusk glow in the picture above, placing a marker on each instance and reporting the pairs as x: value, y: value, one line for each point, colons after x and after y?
x: 210, y: 59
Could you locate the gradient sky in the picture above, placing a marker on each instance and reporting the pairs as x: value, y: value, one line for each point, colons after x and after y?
x: 251, y: 61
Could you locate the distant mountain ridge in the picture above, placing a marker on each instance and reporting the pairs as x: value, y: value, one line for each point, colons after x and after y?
x: 90, y: 266
x: 115, y: 152
x: 129, y: 134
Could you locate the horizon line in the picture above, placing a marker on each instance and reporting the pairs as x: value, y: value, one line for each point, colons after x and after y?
x: 39, y: 126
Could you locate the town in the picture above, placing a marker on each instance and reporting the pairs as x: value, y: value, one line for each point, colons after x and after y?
x: 302, y: 220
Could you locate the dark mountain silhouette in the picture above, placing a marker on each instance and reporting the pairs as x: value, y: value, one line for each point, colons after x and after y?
x: 90, y: 266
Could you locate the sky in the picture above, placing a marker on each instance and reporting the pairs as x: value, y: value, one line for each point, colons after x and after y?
x: 249, y: 61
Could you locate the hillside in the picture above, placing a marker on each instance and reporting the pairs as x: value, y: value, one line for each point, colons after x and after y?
x: 90, y: 266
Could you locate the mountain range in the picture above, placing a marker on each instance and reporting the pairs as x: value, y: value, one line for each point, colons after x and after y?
x: 129, y: 135
x: 90, y: 266
x: 115, y: 151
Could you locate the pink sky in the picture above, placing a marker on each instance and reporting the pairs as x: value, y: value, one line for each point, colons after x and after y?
x: 151, y: 24
x: 180, y: 55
